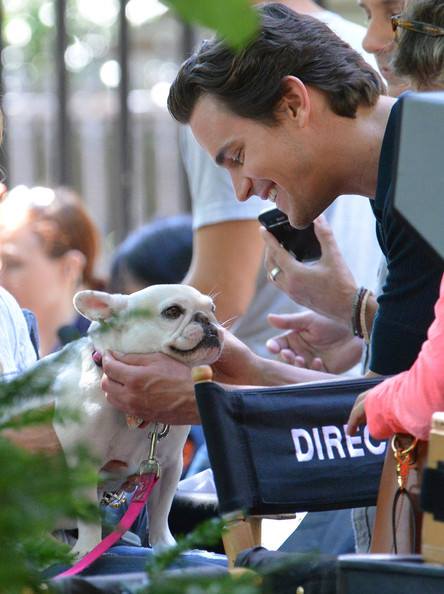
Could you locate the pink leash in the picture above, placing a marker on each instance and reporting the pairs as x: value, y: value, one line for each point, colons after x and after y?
x: 149, y: 475
x: 140, y: 497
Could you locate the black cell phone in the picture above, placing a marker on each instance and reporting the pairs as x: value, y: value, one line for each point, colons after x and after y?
x: 301, y: 243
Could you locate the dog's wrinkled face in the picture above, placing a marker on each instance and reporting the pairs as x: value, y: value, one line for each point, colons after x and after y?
x: 173, y: 319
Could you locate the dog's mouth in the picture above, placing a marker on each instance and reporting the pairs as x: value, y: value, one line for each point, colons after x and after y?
x: 205, y: 352
x: 209, y: 341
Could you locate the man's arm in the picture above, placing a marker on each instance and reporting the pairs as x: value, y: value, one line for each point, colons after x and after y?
x: 155, y: 387
x: 227, y: 257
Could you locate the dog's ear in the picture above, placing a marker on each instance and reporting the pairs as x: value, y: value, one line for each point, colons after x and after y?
x: 97, y: 305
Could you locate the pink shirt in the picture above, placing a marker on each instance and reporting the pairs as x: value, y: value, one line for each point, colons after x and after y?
x: 405, y: 403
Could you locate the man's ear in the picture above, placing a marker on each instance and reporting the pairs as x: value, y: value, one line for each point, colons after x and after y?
x: 97, y: 305
x: 295, y: 101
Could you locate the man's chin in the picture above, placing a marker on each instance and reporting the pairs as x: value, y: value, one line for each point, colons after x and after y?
x: 299, y: 222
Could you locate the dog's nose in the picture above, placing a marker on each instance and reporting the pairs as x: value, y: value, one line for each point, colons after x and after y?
x: 208, y: 327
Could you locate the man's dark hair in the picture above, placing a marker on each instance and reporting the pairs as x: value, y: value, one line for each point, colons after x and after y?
x: 249, y: 83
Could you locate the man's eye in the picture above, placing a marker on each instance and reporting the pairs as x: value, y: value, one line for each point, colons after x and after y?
x: 173, y: 312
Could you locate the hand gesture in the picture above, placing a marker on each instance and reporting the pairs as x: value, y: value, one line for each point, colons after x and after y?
x: 326, y: 286
x: 315, y: 342
x: 357, y: 416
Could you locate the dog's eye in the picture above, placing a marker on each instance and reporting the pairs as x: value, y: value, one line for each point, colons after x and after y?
x: 173, y: 312
x: 213, y: 307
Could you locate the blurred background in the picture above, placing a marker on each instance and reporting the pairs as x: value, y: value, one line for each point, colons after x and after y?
x: 83, y: 92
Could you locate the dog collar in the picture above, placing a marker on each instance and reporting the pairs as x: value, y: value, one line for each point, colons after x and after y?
x: 97, y: 358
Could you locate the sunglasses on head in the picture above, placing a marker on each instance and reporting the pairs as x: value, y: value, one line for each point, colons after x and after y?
x: 425, y: 28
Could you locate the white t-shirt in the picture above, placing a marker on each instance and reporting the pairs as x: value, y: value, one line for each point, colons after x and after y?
x: 16, y: 350
x: 350, y: 32
x: 214, y: 201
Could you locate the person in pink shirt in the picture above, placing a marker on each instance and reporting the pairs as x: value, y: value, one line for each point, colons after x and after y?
x: 405, y: 403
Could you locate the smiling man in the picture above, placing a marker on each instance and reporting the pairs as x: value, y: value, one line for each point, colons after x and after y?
x: 298, y: 117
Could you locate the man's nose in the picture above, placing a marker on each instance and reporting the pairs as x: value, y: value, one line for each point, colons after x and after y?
x: 377, y: 37
x: 243, y: 186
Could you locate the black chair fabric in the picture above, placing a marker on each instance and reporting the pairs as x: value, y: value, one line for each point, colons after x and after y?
x: 284, y: 450
x: 388, y: 574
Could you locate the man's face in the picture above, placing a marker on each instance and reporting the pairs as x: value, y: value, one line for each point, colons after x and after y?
x: 380, y: 40
x: 282, y: 162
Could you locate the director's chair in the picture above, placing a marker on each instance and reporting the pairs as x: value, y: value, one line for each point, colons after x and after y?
x: 281, y: 450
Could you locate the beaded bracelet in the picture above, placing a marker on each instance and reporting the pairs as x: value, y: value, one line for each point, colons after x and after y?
x: 356, y: 312
x: 362, y: 316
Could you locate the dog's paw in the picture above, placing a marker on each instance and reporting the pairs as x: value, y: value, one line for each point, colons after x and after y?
x: 166, y: 541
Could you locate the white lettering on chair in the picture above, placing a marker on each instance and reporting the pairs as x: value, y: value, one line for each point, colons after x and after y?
x: 302, y: 456
x: 334, y: 443
x: 374, y: 448
x: 351, y: 440
x: 318, y: 444
x: 332, y: 437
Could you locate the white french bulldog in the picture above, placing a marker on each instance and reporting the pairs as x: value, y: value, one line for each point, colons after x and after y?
x: 173, y: 319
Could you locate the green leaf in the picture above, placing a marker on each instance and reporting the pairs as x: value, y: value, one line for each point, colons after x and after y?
x: 234, y: 20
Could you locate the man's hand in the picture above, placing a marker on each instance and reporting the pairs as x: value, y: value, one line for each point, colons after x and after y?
x: 315, y: 342
x: 154, y: 387
x: 326, y: 286
x: 357, y: 416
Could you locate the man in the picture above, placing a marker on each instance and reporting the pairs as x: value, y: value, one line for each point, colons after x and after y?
x: 310, y: 337
x: 300, y: 134
x: 227, y: 245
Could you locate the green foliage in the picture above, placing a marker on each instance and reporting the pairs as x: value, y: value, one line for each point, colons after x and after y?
x: 120, y: 319
x: 246, y: 583
x: 37, y: 489
x: 234, y: 20
x: 21, y: 398
x: 208, y: 532
x: 193, y: 583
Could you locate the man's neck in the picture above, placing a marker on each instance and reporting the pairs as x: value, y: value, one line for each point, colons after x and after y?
x: 373, y: 125
x: 356, y: 148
